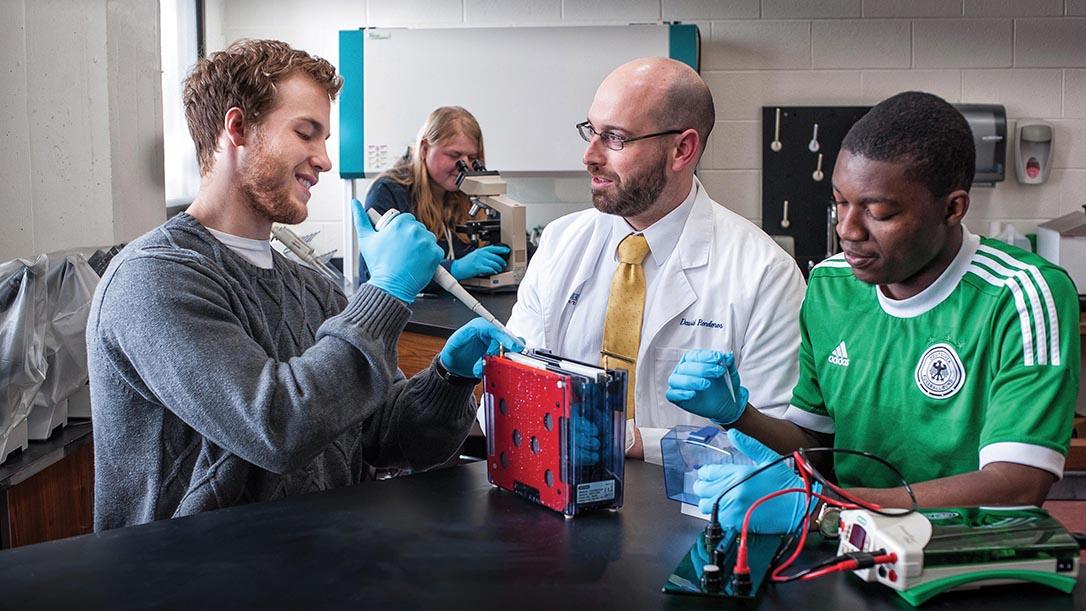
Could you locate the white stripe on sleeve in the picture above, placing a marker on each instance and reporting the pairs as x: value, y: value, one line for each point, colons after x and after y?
x: 1046, y: 294
x: 807, y: 420
x: 1019, y: 278
x: 1020, y: 304
x: 1027, y: 454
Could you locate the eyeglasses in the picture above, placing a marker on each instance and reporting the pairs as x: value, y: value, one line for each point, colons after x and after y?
x: 614, y: 141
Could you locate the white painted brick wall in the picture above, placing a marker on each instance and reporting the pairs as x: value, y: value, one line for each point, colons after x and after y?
x: 1050, y: 43
x: 392, y: 13
x: 812, y: 9
x: 689, y: 10
x: 738, y: 190
x: 1072, y: 190
x: 1069, y: 144
x: 912, y: 8
x: 1074, y: 93
x: 871, y: 43
x: 741, y: 95
x: 735, y: 145
x: 1013, y: 8
x: 877, y: 85
x: 611, y: 11
x: 513, y: 12
x: 1025, y: 93
x: 963, y: 43
x: 1013, y: 200
x: 743, y: 45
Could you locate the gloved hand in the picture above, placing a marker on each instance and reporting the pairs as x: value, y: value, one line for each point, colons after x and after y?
x: 484, y: 261
x: 706, y: 383
x: 781, y: 515
x: 402, y: 257
x: 463, y: 352
x: 586, y: 438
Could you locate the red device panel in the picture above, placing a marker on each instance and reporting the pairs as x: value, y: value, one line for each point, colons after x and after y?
x: 530, y: 410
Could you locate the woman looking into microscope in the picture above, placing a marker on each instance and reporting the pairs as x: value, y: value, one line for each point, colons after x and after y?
x: 423, y: 182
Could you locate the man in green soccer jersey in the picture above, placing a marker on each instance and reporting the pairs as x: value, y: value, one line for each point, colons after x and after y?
x: 954, y: 357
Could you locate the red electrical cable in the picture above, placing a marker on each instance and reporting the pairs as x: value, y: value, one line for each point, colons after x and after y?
x: 803, y: 467
x: 848, y: 565
x: 741, y: 564
x: 805, y: 470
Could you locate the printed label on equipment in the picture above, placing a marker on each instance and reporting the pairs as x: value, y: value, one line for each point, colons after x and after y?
x: 596, y: 491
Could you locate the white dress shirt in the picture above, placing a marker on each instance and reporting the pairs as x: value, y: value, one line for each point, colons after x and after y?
x: 591, y: 310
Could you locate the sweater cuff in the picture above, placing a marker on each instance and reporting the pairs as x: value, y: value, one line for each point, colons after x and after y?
x: 376, y: 313
x: 452, y: 393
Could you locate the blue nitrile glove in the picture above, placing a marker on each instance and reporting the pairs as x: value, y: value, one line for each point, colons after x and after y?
x: 463, y: 352
x: 485, y: 261
x: 402, y: 257
x: 586, y: 438
x: 706, y: 383
x: 780, y: 515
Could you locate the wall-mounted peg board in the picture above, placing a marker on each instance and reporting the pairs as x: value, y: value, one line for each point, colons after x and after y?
x: 788, y: 173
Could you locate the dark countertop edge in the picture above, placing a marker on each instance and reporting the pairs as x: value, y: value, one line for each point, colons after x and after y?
x: 40, y: 455
x: 441, y: 315
x: 427, y: 328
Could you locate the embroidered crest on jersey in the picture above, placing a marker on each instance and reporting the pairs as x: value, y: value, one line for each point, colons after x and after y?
x: 940, y: 373
x: 840, y: 355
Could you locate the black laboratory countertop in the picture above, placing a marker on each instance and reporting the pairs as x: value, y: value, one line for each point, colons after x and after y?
x: 439, y: 540
x: 442, y: 314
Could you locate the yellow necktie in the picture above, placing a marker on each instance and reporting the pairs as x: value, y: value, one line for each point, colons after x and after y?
x: 625, y: 306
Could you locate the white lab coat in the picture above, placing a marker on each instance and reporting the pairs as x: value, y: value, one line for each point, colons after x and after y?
x: 727, y: 286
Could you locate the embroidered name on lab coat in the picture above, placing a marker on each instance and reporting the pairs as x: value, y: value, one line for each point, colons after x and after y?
x: 712, y: 324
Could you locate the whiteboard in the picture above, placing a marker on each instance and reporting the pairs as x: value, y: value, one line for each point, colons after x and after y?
x: 527, y: 87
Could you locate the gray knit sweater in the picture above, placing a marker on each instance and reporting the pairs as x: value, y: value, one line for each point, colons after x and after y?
x: 216, y: 383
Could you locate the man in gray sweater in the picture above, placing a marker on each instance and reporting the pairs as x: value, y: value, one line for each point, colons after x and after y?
x: 222, y: 373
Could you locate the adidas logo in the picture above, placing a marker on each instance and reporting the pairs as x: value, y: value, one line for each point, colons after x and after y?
x: 840, y: 355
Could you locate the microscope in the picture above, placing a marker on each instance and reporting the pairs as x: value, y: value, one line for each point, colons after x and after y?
x: 504, y: 224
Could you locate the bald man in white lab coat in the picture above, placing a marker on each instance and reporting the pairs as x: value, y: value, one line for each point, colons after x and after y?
x: 712, y: 278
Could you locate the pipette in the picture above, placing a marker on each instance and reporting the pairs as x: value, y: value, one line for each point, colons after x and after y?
x: 442, y: 275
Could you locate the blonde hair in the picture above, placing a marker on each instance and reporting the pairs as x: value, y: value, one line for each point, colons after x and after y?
x: 443, y: 124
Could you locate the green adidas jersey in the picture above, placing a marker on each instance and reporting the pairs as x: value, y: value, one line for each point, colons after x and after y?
x: 980, y: 367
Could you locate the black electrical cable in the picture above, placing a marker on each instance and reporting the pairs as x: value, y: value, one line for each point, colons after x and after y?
x: 870, y: 507
x: 714, y: 519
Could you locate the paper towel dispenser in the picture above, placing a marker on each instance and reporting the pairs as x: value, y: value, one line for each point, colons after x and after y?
x: 989, y: 125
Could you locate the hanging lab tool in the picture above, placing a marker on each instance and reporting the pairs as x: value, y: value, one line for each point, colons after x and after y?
x: 788, y: 174
x: 776, y: 145
x: 813, y: 145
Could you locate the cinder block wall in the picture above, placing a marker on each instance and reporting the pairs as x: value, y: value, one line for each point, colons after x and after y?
x: 1029, y: 55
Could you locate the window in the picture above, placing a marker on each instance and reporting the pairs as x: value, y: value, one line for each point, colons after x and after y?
x: 180, y: 50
